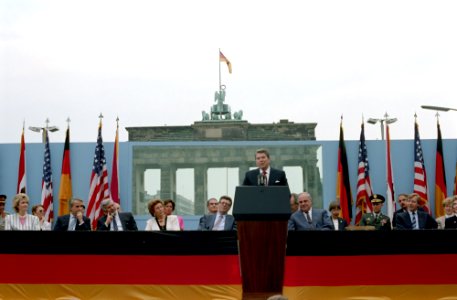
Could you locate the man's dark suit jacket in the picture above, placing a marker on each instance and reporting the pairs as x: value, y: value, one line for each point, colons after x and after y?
x: 342, y: 224
x: 450, y: 223
x: 276, y: 177
x: 63, y: 221
x: 319, y: 220
x: 207, y: 222
x: 425, y: 221
x: 127, y: 220
x: 394, y: 218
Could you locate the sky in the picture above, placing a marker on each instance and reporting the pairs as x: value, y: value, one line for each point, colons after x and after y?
x: 156, y: 63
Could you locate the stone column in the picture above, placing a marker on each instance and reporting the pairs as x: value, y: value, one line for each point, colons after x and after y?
x: 201, y: 189
x: 168, y: 182
x: 138, y: 190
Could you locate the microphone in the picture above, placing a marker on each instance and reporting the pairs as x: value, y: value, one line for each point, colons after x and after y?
x: 261, y: 180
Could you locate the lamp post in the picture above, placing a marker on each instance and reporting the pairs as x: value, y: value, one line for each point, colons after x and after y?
x: 44, y: 129
x: 438, y: 108
x: 386, y: 119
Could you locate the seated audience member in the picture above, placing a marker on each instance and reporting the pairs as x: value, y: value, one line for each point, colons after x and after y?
x: 451, y: 223
x: 211, y: 205
x: 293, y: 202
x: 75, y: 220
x: 220, y: 220
x: 3, y: 213
x: 338, y: 223
x: 308, y: 218
x: 160, y: 221
x: 169, y: 208
x: 448, y: 212
x: 376, y: 218
x: 38, y: 210
x: 21, y: 220
x: 402, y: 201
x: 114, y: 220
x: 414, y: 218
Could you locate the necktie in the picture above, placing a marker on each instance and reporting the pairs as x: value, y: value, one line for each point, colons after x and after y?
x: 72, y: 224
x: 308, y: 217
x: 114, y: 224
x: 265, y: 178
x: 218, y: 222
x: 413, y: 221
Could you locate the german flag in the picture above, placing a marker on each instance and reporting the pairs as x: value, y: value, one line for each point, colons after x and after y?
x: 343, y: 186
x: 65, y: 189
x: 440, y: 175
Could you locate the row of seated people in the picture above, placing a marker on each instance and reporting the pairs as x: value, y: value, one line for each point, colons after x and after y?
x: 409, y: 217
x: 304, y: 218
x: 113, y: 219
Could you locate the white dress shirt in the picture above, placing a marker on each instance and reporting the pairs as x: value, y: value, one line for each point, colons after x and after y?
x: 219, y: 225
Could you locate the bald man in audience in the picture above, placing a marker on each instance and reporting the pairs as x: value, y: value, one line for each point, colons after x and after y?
x: 307, y: 217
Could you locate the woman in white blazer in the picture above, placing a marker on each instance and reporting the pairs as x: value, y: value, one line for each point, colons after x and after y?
x: 21, y: 220
x: 160, y: 221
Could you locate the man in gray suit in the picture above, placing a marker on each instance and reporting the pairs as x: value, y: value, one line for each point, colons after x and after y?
x: 220, y: 220
x: 308, y: 218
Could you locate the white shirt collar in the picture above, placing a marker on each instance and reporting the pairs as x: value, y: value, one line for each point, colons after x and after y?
x: 267, y: 170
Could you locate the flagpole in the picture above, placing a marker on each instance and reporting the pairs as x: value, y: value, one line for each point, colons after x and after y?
x: 220, y: 82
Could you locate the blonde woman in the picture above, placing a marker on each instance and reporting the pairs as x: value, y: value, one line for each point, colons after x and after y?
x: 21, y: 220
x: 448, y: 212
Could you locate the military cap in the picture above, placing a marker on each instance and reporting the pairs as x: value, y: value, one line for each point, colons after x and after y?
x: 375, y: 198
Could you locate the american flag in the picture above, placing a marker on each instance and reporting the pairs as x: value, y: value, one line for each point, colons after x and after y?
x: 46, y: 183
x: 99, y: 189
x: 363, y: 181
x: 420, y: 177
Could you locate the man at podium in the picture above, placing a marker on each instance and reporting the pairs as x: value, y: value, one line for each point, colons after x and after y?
x: 264, y: 174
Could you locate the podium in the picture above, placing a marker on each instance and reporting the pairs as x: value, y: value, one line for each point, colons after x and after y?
x: 261, y: 213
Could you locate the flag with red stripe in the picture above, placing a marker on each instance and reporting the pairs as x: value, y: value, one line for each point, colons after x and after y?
x: 390, y: 194
x: 114, y: 184
x: 343, y: 186
x: 440, y: 175
x: 455, y: 180
x: 222, y: 58
x: 99, y: 189
x: 420, y: 176
x: 21, y: 176
x: 65, y: 190
x: 46, y: 183
x: 363, y: 180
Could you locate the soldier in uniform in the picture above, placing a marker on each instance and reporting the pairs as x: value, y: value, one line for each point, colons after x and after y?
x: 376, y: 218
x: 3, y: 213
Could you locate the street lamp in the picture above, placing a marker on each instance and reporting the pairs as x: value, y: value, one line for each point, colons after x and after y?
x: 438, y: 108
x: 386, y: 119
x: 48, y: 128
